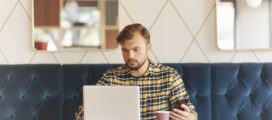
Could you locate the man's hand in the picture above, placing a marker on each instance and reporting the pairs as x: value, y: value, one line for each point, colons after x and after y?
x: 177, y: 114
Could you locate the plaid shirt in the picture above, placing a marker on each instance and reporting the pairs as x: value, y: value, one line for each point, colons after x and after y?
x: 160, y: 87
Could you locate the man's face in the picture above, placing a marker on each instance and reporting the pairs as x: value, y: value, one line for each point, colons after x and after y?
x: 135, y: 51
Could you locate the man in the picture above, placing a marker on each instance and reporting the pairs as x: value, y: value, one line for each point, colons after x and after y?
x: 160, y: 86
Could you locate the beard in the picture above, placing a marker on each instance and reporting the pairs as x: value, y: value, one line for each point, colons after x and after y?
x: 139, y: 64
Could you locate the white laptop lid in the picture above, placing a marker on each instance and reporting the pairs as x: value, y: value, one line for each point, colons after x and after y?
x: 111, y: 102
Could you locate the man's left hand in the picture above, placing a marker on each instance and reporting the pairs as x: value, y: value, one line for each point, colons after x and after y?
x: 177, y: 114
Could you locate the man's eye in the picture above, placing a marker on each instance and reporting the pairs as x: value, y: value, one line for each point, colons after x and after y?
x: 124, y: 50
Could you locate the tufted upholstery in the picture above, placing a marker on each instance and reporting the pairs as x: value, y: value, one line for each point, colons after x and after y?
x: 29, y: 92
x: 241, y: 91
x: 220, y: 91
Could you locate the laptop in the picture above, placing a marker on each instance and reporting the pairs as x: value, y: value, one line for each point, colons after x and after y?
x: 111, y: 102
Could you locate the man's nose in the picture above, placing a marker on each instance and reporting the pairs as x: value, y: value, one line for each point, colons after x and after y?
x: 131, y: 54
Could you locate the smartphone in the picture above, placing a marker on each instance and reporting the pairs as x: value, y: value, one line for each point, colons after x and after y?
x: 181, y: 101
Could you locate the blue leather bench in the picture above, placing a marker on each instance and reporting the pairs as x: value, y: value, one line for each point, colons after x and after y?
x: 220, y: 91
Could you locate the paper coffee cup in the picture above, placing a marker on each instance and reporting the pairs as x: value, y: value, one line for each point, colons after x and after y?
x: 162, y: 115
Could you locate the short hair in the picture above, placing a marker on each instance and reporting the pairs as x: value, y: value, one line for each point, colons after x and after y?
x: 128, y: 33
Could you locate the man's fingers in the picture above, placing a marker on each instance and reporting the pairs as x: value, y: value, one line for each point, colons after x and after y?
x: 176, y: 115
x: 182, y: 113
x: 173, y: 117
x: 186, y: 108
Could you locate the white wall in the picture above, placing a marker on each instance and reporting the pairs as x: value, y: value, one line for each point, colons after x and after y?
x: 181, y: 31
x: 253, y: 25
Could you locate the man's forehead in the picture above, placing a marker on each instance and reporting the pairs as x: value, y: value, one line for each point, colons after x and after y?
x: 132, y: 47
x: 131, y: 44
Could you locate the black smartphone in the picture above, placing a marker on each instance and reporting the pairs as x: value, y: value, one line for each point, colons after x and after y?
x: 181, y: 101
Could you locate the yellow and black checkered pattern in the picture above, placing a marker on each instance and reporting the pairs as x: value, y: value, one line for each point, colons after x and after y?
x: 160, y: 87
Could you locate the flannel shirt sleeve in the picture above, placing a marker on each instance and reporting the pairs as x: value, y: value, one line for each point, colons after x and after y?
x: 104, y: 80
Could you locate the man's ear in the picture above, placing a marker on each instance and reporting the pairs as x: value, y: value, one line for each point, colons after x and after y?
x: 149, y: 46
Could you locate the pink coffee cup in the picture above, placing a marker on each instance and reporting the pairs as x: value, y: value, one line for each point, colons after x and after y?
x: 162, y: 115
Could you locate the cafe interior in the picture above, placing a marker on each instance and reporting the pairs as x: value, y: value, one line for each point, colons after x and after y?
x: 50, y: 49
